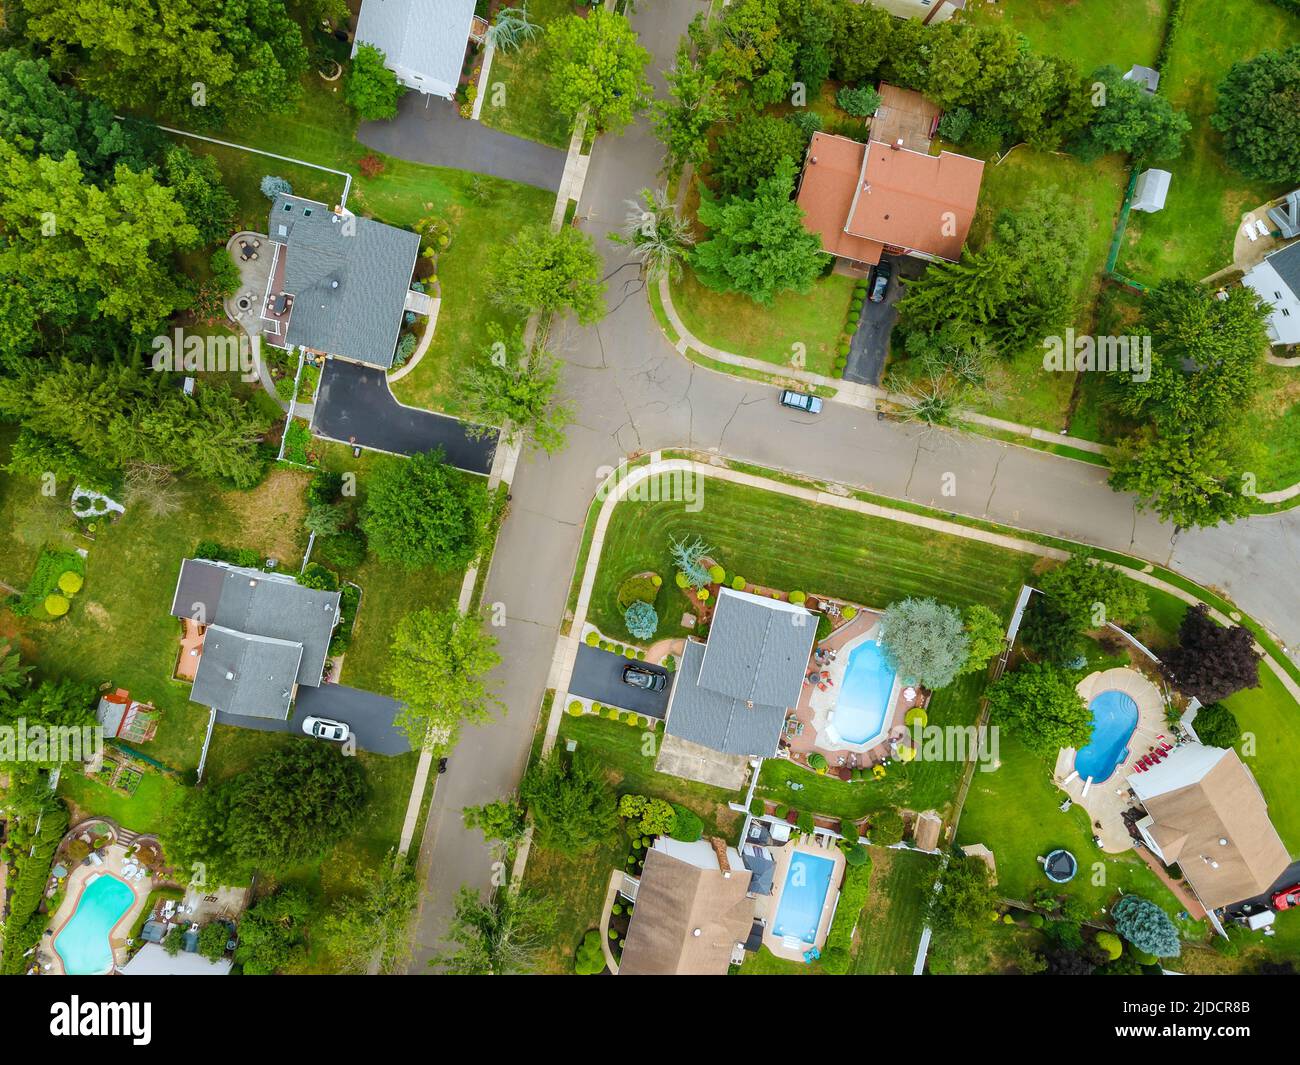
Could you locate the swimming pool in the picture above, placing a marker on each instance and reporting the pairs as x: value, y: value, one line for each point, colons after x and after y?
x: 1114, y: 717
x: 860, y: 711
x: 83, y: 944
x: 803, y: 896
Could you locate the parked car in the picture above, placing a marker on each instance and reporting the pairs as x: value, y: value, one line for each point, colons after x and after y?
x: 801, y: 401
x: 1288, y: 898
x: 322, y: 728
x: 645, y: 679
x: 880, y: 283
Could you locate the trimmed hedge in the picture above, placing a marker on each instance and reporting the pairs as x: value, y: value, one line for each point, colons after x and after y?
x: 853, y: 896
x: 687, y: 827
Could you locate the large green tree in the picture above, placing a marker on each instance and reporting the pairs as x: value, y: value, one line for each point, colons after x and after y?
x: 1132, y: 120
x: 747, y: 51
x: 371, y: 88
x: 573, y: 808
x: 438, y: 667
x: 758, y: 246
x: 373, y: 928
x: 513, y: 389
x: 272, y: 934
x: 502, y: 936
x: 554, y: 272
x: 1038, y: 704
x: 682, y: 121
x: 1191, y: 477
x: 925, y: 641
x: 750, y: 150
x: 597, y: 65
x: 1258, y: 114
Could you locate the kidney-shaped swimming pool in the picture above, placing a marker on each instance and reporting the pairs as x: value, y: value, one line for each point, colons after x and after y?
x: 84, y: 944
x: 1114, y: 717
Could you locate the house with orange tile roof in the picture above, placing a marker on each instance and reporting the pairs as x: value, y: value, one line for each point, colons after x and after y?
x: 865, y: 200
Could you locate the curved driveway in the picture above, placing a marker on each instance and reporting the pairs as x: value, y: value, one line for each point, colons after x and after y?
x: 634, y: 392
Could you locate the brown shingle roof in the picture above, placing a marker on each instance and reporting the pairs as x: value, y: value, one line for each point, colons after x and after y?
x: 675, y: 900
x: 1225, y: 804
x: 922, y: 203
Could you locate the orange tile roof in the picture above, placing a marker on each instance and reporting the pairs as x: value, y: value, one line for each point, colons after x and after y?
x: 923, y: 203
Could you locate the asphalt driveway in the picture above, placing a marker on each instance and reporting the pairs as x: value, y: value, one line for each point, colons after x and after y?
x: 598, y: 675
x: 429, y: 130
x: 869, y: 348
x: 355, y: 406
x: 370, y: 717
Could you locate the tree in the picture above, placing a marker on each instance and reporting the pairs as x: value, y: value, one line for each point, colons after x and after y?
x: 371, y: 89
x: 272, y: 934
x: 1039, y: 705
x: 438, y: 667
x: 514, y: 389
x: 1091, y: 594
x: 511, y: 29
x: 214, y: 61
x: 683, y: 120
x: 544, y: 271
x: 503, y: 936
x: 758, y: 246
x: 860, y: 42
x: 858, y: 101
x: 748, y: 52
x: 963, y: 900
x: 52, y: 705
x: 642, y: 620
x: 196, y: 839
x: 749, y: 152
x: 196, y: 180
x: 985, y: 638
x: 502, y: 820
x: 213, y: 938
x: 924, y: 641
x: 1132, y: 120
x: 373, y: 929
x: 1191, y: 478
x: 590, y: 959
x: 1146, y: 926
x: 294, y: 804
x: 422, y: 512
x: 651, y: 816
x: 688, y: 556
x: 572, y: 807
x: 810, y: 24
x: 1217, y: 726
x: 1258, y: 113
x: 174, y: 942
x: 328, y: 519
x: 597, y: 65
x: 1211, y: 661
x: 660, y: 239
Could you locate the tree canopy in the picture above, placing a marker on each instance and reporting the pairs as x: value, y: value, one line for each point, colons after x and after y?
x: 1132, y: 120
x: 1258, y: 114
x: 502, y: 936
x: 544, y: 271
x: 513, y: 389
x: 573, y: 808
x: 1038, y: 704
x: 1211, y: 661
x: 371, y: 88
x: 597, y: 64
x: 925, y: 641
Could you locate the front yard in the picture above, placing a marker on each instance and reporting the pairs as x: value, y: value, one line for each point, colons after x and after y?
x: 516, y: 100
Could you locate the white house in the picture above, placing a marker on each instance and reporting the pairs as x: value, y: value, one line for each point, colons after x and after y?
x: 928, y: 11
x: 423, y: 41
x: 1277, y: 282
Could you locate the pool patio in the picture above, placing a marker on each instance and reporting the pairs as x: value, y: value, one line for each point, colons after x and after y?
x: 768, y: 906
x: 113, y: 858
x: 1106, y: 802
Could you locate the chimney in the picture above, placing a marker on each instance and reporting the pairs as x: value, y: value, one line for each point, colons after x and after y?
x: 720, y: 852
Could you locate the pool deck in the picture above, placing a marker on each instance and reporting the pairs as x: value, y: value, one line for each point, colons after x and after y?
x: 114, y: 855
x: 767, y: 907
x: 1107, y: 801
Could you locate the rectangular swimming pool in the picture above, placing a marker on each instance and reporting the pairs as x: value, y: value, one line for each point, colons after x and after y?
x: 803, y: 896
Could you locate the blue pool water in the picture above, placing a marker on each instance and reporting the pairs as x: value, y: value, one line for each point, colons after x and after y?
x: 83, y: 944
x: 864, y: 694
x: 803, y: 896
x: 1114, y: 717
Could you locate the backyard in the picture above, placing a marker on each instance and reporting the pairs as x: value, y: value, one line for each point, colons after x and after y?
x: 889, y: 930
x: 516, y: 98
x: 1088, y: 33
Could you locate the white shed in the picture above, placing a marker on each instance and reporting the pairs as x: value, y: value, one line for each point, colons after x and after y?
x: 1151, y: 190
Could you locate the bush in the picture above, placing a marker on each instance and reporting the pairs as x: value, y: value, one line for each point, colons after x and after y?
x: 592, y: 638
x: 575, y: 708
x: 805, y: 823
x: 687, y: 825
x: 782, y: 811
x: 738, y: 583
x: 853, y: 896
x: 703, y: 595
x: 757, y: 806
x: 1146, y: 926
x: 681, y: 580
x: 886, y: 828
x: 824, y: 627
x: 641, y: 619
x: 406, y: 345
x: 225, y: 274
x: 859, y: 102
x: 856, y: 855
x: 346, y: 549
x: 717, y: 574
x: 638, y: 589
x: 273, y: 186
x: 849, y: 613
x: 849, y: 830
x: 955, y: 124
x: 670, y: 664
x: 817, y: 761
x: 612, y: 714
x: 798, y: 598
x: 1110, y: 944
x: 319, y: 577
x: 70, y: 582
x: 1216, y: 725
x: 55, y: 605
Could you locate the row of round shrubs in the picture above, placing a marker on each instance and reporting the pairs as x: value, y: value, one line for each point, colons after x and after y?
x: 851, y: 326
x: 612, y: 713
x: 593, y: 639
x: 56, y: 604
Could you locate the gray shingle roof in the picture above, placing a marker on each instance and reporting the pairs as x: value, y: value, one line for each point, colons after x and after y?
x: 246, y: 674
x: 422, y: 40
x: 758, y: 648
x: 719, y: 721
x: 349, y: 277
x: 1287, y: 264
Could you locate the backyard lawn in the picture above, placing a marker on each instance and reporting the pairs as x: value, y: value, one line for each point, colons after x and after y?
x: 1088, y: 33
x: 889, y: 930
x: 516, y: 99
x: 1193, y: 235
x: 809, y: 324
x: 147, y: 810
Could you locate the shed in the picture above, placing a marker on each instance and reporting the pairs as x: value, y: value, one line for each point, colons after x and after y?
x: 1151, y: 189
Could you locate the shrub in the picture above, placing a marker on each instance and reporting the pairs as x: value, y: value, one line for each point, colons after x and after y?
x: 406, y: 345
x: 638, y: 589
x: 670, y: 664
x: 1110, y: 944
x: 647, y: 816
x: 853, y: 896
x: 703, y: 593
x: 859, y: 102
x: 856, y: 855
x: 1035, y: 920
x: 225, y: 274
x: 687, y: 826
x: 1215, y: 724
x: 371, y: 166
x: 612, y: 714
x: 575, y: 708
x: 817, y: 761
x: 70, y: 582
x: 757, y: 806
x: 805, y: 823
x: 886, y: 827
x: 592, y: 638
x: 955, y: 124
x: 798, y: 598
x: 681, y: 580
x: 849, y: 613
x: 273, y: 186
x: 346, y: 549
x: 717, y: 574
x: 641, y: 619
x: 849, y: 830
x: 738, y: 583
x: 55, y: 605
x: 319, y: 577
x: 782, y: 811
x: 824, y: 627
x: 1146, y: 926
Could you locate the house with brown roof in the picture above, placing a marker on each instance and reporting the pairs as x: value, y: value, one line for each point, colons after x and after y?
x: 868, y: 199
x: 1205, y: 813
x: 693, y: 914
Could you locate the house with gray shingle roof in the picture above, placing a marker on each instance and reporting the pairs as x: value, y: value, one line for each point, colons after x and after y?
x: 1276, y: 281
x: 732, y: 693
x: 263, y: 635
x: 339, y: 284
x: 423, y: 41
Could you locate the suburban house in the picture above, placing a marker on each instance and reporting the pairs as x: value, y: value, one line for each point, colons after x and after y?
x: 1276, y: 281
x: 693, y: 914
x: 732, y: 693
x: 1205, y: 813
x: 153, y: 960
x: 928, y: 11
x: 339, y: 284
x: 1286, y: 215
x: 261, y: 635
x: 865, y: 200
x: 423, y: 41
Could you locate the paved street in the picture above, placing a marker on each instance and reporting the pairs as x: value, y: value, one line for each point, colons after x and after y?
x: 633, y: 393
x: 598, y: 675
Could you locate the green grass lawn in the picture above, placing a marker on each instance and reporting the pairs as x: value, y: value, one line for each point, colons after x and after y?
x: 516, y: 100
x: 818, y: 549
x: 1088, y: 33
x: 1271, y: 719
x: 148, y: 810
x: 889, y: 930
x: 1193, y: 235
x: 735, y: 323
x: 1274, y: 422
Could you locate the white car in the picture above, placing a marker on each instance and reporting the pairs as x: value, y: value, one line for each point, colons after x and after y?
x: 322, y: 728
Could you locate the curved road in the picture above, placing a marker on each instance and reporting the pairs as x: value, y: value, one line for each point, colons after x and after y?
x: 634, y: 392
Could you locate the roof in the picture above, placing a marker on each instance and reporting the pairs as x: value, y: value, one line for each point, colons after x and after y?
x: 349, y: 277
x: 763, y: 868
x: 758, y: 648
x: 425, y: 38
x: 112, y: 711
x: 1147, y: 77
x: 246, y: 674
x: 893, y: 196
x: 1286, y: 262
x: 153, y: 960
x: 687, y: 920
x: 717, y: 721
x: 1209, y: 816
x: 1286, y: 215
